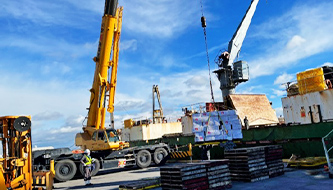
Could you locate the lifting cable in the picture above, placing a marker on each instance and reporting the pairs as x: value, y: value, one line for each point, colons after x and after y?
x: 203, y: 24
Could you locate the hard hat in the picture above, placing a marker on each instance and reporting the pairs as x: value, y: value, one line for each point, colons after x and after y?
x: 87, y: 151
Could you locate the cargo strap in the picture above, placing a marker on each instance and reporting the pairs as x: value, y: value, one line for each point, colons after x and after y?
x: 221, y: 122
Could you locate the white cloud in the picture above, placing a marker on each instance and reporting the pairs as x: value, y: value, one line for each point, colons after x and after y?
x: 256, y: 89
x: 327, y: 64
x: 168, y: 61
x: 175, y: 93
x: 302, y: 32
x: 128, y: 45
x: 55, y: 68
x: 272, y: 97
x: 56, y: 48
x: 160, y: 19
x: 279, y: 93
x: 47, y: 115
x: 197, y: 81
x: 295, y: 42
x: 279, y: 111
x: 128, y: 104
x: 22, y: 95
x: 72, y: 126
x: 68, y: 129
x: 45, y: 12
x: 75, y: 121
x: 284, y: 78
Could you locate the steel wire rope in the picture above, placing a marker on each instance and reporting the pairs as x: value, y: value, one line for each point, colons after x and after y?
x: 203, y: 23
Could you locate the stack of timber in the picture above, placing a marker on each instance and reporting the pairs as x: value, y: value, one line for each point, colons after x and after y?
x: 247, y: 164
x: 273, y: 158
x: 196, y: 176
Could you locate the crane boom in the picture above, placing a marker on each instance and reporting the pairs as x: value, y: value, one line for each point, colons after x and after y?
x: 231, y: 73
x: 157, y: 113
x: 95, y: 136
x: 236, y: 42
x: 108, y: 45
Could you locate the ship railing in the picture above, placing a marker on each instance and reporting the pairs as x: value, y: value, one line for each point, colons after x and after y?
x: 309, y: 84
x: 327, y: 148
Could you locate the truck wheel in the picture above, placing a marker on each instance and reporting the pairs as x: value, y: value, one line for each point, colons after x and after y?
x: 143, y: 158
x: 95, y: 170
x: 160, y: 155
x: 65, y: 170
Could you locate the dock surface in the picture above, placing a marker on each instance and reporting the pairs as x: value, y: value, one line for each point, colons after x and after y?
x: 292, y: 179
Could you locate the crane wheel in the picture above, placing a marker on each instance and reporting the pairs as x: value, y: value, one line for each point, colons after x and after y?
x: 143, y: 159
x: 65, y: 170
x: 160, y: 156
x: 95, y: 168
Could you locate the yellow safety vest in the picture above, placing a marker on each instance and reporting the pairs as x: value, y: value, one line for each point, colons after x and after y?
x: 89, y: 160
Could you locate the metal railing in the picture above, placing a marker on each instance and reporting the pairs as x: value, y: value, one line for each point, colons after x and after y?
x: 327, y: 150
x: 309, y: 84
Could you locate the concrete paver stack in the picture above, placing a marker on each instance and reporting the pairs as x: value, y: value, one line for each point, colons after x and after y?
x: 247, y: 164
x: 218, y: 174
x: 202, y: 175
x: 273, y: 158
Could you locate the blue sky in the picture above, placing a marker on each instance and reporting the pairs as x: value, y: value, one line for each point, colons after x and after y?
x: 46, y: 50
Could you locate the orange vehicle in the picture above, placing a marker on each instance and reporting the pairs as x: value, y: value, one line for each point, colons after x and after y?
x: 16, y: 171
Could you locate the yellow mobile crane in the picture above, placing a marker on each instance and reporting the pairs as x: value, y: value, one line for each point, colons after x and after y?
x: 95, y: 133
x: 104, y: 143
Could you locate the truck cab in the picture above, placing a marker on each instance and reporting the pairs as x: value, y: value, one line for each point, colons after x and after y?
x: 101, y: 139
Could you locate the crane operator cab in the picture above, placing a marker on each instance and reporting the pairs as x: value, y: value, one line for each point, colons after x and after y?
x: 101, y: 139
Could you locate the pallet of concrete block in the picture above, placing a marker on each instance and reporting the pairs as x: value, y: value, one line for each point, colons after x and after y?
x: 273, y: 158
x: 247, y: 164
x: 147, y: 183
x: 218, y: 174
x: 216, y: 126
x: 184, y: 176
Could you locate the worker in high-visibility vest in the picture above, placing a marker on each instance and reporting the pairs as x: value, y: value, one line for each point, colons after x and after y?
x: 87, y: 162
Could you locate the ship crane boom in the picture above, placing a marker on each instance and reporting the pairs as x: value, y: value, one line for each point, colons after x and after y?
x: 231, y: 73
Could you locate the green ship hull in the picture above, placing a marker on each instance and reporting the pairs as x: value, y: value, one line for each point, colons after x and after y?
x: 302, y: 140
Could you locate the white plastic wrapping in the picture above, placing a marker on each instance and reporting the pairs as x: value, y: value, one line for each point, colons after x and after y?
x: 207, y: 126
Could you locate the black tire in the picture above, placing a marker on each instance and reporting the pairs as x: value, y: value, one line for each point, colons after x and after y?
x: 160, y: 156
x: 65, y: 170
x: 96, y: 168
x: 143, y: 159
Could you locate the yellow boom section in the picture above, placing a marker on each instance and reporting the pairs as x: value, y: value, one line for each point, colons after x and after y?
x: 115, y: 58
x: 95, y: 136
x: 108, y: 45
